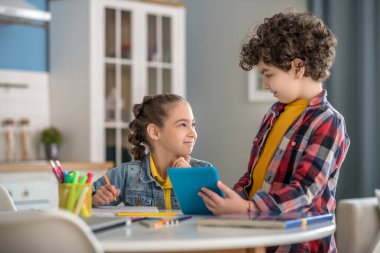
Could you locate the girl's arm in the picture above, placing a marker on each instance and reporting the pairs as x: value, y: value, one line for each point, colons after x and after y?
x: 109, y: 194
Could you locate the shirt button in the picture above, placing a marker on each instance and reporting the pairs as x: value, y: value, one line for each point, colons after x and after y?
x: 293, y: 143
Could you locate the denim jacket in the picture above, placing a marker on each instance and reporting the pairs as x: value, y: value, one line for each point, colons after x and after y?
x: 137, y: 186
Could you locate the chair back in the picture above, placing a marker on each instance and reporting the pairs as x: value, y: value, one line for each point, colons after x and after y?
x: 6, y: 202
x: 45, y: 232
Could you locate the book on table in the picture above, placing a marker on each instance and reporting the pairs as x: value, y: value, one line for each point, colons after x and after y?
x: 266, y: 220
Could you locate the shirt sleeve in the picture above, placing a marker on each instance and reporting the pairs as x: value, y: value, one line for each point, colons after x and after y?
x: 322, y: 157
x: 116, y: 177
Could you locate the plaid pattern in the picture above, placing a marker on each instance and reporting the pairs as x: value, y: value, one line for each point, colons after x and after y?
x: 304, y: 171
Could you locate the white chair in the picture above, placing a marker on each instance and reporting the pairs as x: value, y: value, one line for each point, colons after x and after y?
x: 6, y: 202
x: 45, y: 232
x: 358, y: 222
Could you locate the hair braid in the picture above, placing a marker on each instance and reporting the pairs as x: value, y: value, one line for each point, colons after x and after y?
x: 154, y: 110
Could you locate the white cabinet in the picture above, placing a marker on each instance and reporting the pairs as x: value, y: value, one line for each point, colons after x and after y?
x: 32, y: 185
x: 105, y: 55
x: 31, y: 190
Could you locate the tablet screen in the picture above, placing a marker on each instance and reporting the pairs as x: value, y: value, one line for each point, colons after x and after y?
x: 187, y: 182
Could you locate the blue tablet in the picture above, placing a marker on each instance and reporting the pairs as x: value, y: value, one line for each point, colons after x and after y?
x: 187, y: 182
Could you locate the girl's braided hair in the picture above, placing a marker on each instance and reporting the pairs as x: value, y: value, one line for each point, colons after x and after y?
x: 153, y: 109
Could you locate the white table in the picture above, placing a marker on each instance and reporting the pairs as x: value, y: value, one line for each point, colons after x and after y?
x: 187, y: 236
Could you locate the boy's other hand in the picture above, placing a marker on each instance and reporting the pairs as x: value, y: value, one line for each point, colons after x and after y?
x: 231, y: 203
x: 105, y: 195
x: 182, y: 162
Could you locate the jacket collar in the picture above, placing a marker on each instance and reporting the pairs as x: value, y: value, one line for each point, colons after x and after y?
x: 145, y: 175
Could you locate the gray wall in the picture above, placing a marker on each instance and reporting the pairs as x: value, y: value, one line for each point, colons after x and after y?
x: 216, y: 86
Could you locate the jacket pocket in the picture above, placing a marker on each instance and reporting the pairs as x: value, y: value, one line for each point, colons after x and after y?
x: 138, y: 198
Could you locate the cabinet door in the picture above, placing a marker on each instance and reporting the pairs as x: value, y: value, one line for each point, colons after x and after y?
x: 118, y: 66
x: 31, y: 190
x: 159, y: 54
x: 142, y: 52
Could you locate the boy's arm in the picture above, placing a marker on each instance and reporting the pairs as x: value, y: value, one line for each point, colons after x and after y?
x: 116, y: 177
x: 244, y: 180
x: 322, y: 157
x: 239, y: 186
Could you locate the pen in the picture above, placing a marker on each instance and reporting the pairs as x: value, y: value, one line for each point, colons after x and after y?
x: 108, y: 182
x: 170, y: 222
x: 59, y: 168
x: 89, y: 177
x: 56, y: 172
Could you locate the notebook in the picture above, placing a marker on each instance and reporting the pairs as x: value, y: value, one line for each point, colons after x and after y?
x: 187, y: 182
x: 101, y: 223
x: 266, y: 220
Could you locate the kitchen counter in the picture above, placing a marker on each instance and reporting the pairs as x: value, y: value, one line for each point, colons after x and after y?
x: 29, y: 166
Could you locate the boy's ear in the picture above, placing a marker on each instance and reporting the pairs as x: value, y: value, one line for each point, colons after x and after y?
x: 153, y: 131
x: 298, y: 68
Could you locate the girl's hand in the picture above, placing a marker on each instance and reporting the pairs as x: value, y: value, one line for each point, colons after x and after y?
x: 182, y: 162
x: 231, y: 203
x: 104, y: 195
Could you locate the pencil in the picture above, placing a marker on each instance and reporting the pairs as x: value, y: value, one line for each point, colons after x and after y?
x: 108, y: 182
x: 142, y: 214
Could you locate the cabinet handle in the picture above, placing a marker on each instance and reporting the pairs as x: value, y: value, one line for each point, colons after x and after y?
x: 25, y: 193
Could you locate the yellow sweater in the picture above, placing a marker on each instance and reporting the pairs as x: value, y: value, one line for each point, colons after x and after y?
x: 165, y: 184
x: 291, y: 112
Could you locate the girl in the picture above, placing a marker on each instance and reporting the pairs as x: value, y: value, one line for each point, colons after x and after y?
x: 165, y: 124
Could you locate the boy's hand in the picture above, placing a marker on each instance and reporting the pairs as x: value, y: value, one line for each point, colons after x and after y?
x: 182, y: 162
x: 104, y: 195
x: 231, y: 203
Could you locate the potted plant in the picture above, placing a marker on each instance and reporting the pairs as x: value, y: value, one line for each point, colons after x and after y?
x: 51, y: 138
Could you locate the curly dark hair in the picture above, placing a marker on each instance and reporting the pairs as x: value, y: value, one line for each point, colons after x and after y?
x: 153, y: 109
x: 286, y: 36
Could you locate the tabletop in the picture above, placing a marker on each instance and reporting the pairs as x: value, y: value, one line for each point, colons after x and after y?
x: 188, y: 236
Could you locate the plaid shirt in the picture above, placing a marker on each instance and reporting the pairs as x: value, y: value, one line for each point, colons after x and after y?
x: 304, y: 171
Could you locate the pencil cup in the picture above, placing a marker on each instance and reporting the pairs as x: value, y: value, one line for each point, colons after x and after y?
x: 76, y: 198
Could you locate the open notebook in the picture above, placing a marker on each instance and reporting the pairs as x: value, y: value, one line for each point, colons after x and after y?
x: 101, y: 223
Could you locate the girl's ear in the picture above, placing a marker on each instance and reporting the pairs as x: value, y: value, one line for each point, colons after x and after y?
x: 153, y: 131
x: 298, y: 68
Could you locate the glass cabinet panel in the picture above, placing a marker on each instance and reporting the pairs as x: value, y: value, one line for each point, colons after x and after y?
x: 126, y: 96
x: 110, y: 141
x: 126, y: 41
x: 152, y: 81
x: 166, y: 81
x: 125, y: 146
x: 110, y: 33
x: 152, y: 38
x: 110, y: 92
x: 166, y: 39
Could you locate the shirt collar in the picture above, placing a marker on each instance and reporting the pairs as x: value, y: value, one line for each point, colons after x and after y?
x: 153, y: 175
x: 316, y: 101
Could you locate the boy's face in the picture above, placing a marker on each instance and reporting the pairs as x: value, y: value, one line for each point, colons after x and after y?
x: 283, y: 85
x: 177, y: 136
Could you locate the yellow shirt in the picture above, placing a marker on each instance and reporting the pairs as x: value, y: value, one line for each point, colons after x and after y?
x: 165, y: 184
x: 291, y: 112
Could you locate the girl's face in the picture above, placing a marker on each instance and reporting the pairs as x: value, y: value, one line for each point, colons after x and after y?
x: 178, y: 135
x: 283, y: 85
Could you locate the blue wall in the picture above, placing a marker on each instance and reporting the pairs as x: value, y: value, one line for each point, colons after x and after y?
x: 24, y: 47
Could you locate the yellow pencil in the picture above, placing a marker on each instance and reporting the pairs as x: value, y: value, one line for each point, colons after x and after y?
x: 147, y: 214
x: 108, y: 182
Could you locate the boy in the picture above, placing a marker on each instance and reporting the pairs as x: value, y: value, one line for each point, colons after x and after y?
x: 302, y: 141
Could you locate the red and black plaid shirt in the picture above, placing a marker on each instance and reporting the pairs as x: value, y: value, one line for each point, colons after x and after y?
x: 304, y: 171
